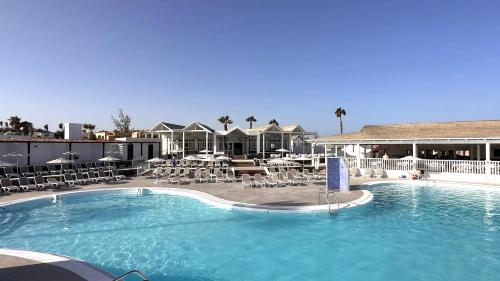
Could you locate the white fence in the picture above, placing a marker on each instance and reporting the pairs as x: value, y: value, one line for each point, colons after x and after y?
x: 455, y: 170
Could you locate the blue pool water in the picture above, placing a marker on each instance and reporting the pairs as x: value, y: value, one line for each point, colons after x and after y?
x: 408, y: 232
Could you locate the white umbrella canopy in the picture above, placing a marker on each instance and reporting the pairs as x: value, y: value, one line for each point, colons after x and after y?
x: 156, y: 160
x: 281, y: 150
x: 303, y: 158
x: 109, y: 159
x: 190, y: 157
x: 6, y: 164
x: 206, y: 151
x: 71, y: 153
x: 60, y: 161
x: 410, y: 158
x: 223, y: 157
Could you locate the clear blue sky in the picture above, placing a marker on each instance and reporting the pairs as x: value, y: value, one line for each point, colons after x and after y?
x: 296, y: 61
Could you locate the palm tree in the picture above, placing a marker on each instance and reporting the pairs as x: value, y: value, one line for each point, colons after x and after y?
x: 250, y: 120
x: 46, y: 127
x: 15, y: 123
x: 274, y: 122
x: 1, y: 124
x: 339, y: 113
x: 225, y: 120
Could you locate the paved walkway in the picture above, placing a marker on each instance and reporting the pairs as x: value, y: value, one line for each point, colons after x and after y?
x: 304, y: 195
x: 20, y: 269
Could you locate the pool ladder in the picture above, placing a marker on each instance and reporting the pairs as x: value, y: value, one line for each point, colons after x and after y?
x: 133, y: 271
x: 326, y: 195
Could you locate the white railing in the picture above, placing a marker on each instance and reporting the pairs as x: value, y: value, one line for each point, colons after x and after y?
x: 428, y: 165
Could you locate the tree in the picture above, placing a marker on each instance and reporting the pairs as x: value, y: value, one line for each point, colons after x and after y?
x: 89, y: 128
x: 274, y: 122
x: 60, y: 133
x: 1, y: 124
x: 26, y: 127
x: 339, y: 113
x: 250, y: 120
x: 225, y: 120
x: 122, y: 123
x: 46, y: 127
x: 15, y: 123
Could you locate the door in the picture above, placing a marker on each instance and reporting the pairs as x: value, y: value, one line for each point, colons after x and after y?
x: 130, y: 151
x: 238, y: 148
x: 150, y: 151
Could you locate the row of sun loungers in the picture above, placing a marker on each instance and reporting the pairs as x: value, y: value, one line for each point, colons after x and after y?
x: 31, y: 171
x: 368, y: 173
x: 39, y: 182
x: 196, y: 164
x: 182, y: 175
x: 280, y: 178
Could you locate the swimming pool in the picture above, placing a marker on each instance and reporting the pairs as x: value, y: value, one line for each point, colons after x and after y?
x: 408, y: 232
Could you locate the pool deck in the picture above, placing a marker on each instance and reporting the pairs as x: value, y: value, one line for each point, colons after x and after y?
x: 21, y: 268
x: 303, y: 195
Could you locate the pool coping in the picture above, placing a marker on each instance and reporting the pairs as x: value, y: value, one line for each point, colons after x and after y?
x: 212, y: 200
x: 79, y: 267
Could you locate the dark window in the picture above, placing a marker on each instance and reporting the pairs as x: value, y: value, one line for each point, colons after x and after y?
x: 496, y: 153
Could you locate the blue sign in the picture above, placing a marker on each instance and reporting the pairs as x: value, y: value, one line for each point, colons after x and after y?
x: 337, y: 174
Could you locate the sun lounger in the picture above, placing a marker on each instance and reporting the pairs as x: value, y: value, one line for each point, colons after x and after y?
x: 246, y: 181
x: 290, y: 179
x: 318, y: 176
x: 80, y: 179
x: 379, y: 173
x: 368, y: 173
x: 281, y: 179
x: 117, y: 177
x: 25, y: 172
x: 9, y: 172
x: 175, y: 179
x: 219, y: 176
x: 7, y: 185
x: 230, y: 176
x: 259, y: 181
x: 39, y: 171
x: 40, y: 183
x: 271, y: 180
x: 102, y: 176
x: 55, y: 183
x: 92, y: 176
x: 68, y: 179
x: 52, y: 170
x: 68, y: 169
x: 308, y: 175
x: 24, y: 184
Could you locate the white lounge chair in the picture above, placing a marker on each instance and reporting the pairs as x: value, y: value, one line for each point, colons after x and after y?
x: 353, y: 172
x: 55, y: 183
x: 271, y: 180
x: 40, y: 183
x: 368, y: 173
x: 24, y: 184
x: 68, y: 179
x: 379, y: 173
x: 259, y: 181
x: 246, y: 181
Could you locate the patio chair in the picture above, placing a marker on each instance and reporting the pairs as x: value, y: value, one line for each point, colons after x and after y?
x: 176, y: 172
x: 24, y: 184
x: 39, y: 171
x: 9, y: 172
x: 259, y: 181
x: 213, y: 174
x: 25, y: 172
x: 55, y: 183
x: 68, y: 169
x: 68, y: 179
x: 246, y: 181
x: 80, y: 178
x: 90, y: 166
x: 368, y: 173
x: 7, y: 185
x: 40, y: 183
x: 197, y: 175
x: 201, y: 164
x: 281, y: 179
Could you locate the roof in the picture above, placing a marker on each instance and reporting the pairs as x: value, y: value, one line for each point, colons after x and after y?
x: 198, y: 124
x: 436, y: 130
x: 263, y: 128
x: 173, y: 126
x: 292, y: 128
x: 236, y: 128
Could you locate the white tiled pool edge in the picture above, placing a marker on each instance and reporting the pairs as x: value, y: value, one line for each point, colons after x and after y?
x: 78, y: 267
x: 214, y: 201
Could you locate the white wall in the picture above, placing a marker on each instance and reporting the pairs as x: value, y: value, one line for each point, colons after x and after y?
x: 43, y: 152
x: 73, y: 131
x: 8, y: 147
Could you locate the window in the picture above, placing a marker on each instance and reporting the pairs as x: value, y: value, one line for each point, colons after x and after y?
x: 496, y: 153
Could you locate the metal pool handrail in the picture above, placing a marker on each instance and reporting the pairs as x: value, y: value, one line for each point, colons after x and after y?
x: 120, y: 278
